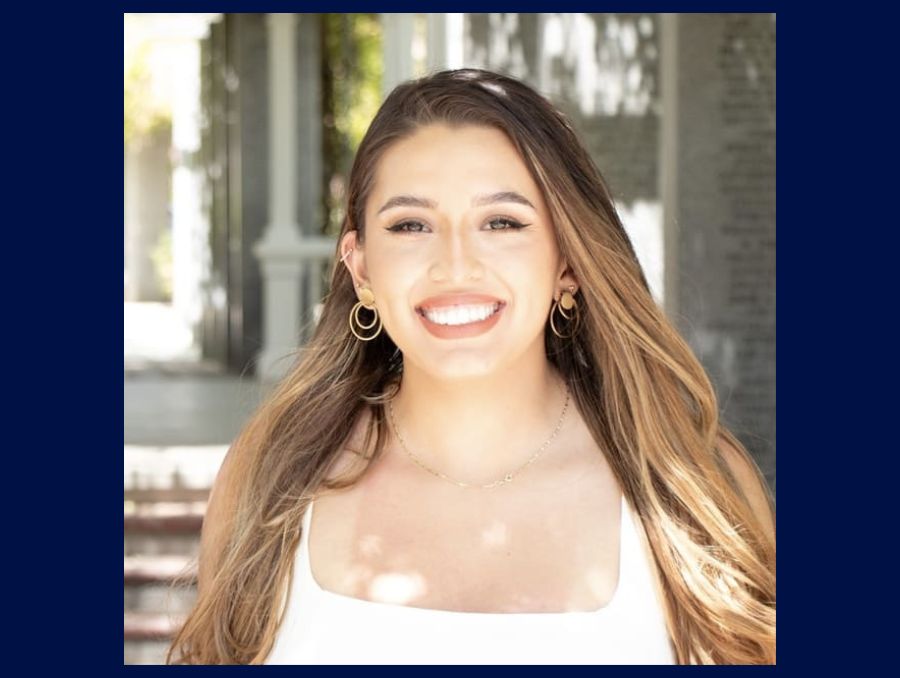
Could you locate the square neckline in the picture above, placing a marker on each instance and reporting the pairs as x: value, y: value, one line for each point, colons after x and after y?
x: 362, y: 603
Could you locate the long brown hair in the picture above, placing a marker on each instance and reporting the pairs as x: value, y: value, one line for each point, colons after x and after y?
x: 645, y: 397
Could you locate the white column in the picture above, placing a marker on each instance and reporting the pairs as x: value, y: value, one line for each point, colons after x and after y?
x: 397, y: 32
x: 445, y: 41
x: 190, y: 228
x: 668, y: 158
x: 280, y: 248
x: 309, y: 125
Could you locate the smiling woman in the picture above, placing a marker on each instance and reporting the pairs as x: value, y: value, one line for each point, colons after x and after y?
x: 512, y: 454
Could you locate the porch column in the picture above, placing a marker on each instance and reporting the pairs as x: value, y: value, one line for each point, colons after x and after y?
x: 445, y: 40
x: 397, y: 30
x: 280, y: 248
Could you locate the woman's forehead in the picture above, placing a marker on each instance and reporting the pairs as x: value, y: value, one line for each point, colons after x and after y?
x: 459, y: 142
x: 439, y: 159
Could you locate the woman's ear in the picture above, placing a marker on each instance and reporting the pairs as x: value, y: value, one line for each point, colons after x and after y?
x: 354, y: 258
x: 565, y: 277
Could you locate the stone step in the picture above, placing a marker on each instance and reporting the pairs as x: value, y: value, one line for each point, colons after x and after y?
x: 162, y: 545
x: 146, y: 652
x: 141, y: 626
x: 148, y: 635
x: 166, y: 490
x: 163, y: 509
x: 152, y: 495
x: 184, y: 523
x: 163, y: 529
x: 160, y: 584
x: 160, y: 598
x: 144, y: 569
x: 149, y: 467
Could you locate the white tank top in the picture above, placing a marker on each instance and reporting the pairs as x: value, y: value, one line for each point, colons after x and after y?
x: 321, y: 627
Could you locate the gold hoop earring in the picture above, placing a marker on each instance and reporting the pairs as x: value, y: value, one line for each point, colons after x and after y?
x: 367, y: 301
x: 565, y: 303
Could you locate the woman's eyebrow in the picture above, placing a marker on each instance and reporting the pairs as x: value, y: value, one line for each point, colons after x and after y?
x: 477, y: 201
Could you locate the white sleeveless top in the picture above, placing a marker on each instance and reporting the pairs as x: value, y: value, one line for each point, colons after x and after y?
x: 321, y: 627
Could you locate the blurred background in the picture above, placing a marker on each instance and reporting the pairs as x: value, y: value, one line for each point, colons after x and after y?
x: 239, y: 133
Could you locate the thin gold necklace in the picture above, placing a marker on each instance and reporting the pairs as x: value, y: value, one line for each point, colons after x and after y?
x: 505, y: 479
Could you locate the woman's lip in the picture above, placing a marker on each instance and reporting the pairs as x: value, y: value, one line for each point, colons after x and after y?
x: 472, y: 329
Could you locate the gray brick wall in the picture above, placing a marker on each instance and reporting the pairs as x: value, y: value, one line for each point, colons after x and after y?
x: 726, y: 215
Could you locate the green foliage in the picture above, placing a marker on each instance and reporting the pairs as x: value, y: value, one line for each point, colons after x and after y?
x: 143, y: 115
x: 352, y: 70
x: 161, y: 256
x: 353, y: 53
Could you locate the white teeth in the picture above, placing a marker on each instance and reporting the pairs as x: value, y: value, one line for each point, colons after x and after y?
x: 461, y: 315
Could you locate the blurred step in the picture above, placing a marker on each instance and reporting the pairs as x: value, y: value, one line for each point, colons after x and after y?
x: 148, y: 635
x: 162, y: 467
x: 168, y: 495
x: 162, y: 545
x: 140, y: 626
x: 146, y: 652
x: 160, y: 598
x: 187, y: 522
x: 144, y: 569
x: 160, y: 584
x: 163, y: 529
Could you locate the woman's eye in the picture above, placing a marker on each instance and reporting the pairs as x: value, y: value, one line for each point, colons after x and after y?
x: 498, y: 224
x: 508, y: 224
x: 407, y: 227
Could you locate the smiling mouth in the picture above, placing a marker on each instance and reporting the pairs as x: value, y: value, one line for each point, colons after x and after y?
x: 463, y: 314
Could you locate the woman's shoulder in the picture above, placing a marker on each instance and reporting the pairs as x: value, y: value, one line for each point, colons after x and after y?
x: 355, y: 451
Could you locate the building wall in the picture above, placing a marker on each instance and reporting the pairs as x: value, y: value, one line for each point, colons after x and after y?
x: 726, y: 214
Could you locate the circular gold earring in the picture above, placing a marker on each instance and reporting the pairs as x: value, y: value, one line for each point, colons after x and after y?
x: 566, y: 302
x: 367, y: 300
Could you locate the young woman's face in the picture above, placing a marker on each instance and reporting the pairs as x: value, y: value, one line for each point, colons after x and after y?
x: 444, y: 248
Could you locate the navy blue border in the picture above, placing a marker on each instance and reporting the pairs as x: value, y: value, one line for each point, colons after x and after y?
x: 63, y: 140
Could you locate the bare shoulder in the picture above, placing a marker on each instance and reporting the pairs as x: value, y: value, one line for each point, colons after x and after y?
x: 355, y: 451
x: 751, y: 481
x: 224, y: 496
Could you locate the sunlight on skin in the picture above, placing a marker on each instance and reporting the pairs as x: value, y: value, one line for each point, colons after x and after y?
x: 354, y: 578
x: 397, y: 588
x: 598, y: 584
x: 595, y: 581
x: 371, y: 546
x: 407, y: 587
x: 495, y: 535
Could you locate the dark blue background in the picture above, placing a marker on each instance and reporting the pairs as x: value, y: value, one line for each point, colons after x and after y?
x: 62, y: 99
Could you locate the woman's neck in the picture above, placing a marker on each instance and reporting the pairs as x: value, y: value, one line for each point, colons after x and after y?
x: 477, y: 430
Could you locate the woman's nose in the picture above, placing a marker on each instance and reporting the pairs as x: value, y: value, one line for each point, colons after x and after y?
x: 456, y: 259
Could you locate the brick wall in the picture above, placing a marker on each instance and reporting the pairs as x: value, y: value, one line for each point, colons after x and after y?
x: 726, y: 214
